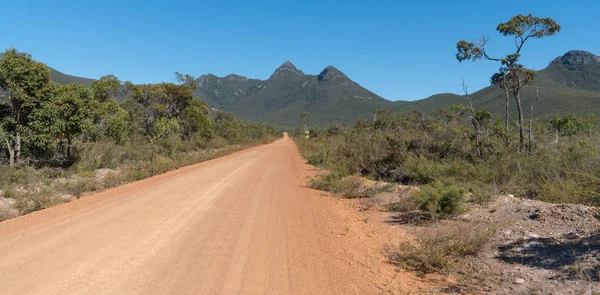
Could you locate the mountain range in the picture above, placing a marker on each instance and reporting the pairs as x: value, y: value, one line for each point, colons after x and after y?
x: 570, y: 84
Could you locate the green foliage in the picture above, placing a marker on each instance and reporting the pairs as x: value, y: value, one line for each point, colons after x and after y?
x: 415, y: 150
x: 22, y: 79
x: 512, y: 76
x: 106, y: 88
x: 570, y: 125
x: 528, y: 26
x: 195, y: 120
x: 441, y: 198
x: 68, y: 131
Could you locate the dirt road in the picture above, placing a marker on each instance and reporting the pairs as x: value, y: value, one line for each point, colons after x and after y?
x: 240, y: 224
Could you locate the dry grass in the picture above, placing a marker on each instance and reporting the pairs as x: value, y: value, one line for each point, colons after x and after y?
x: 441, y: 249
x: 349, y: 187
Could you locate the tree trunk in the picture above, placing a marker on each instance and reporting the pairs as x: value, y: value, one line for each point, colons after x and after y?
x: 506, y: 113
x: 474, y: 121
x: 531, y: 128
x: 17, y: 151
x: 11, y: 152
x: 68, y: 147
x: 477, y: 129
x: 521, y: 127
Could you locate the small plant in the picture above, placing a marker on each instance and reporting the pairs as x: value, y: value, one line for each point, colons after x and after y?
x: 441, y: 198
x: 79, y: 186
x: 479, y: 194
x: 7, y: 212
x: 10, y: 193
x: 112, y: 179
x: 440, y: 250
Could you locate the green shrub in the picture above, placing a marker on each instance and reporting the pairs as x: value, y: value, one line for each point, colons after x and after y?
x: 415, y: 149
x: 580, y: 189
x: 318, y: 158
x: 441, y: 198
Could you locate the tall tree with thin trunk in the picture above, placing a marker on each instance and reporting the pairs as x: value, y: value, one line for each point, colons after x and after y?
x: 537, y: 98
x: 512, y: 76
x: 476, y: 125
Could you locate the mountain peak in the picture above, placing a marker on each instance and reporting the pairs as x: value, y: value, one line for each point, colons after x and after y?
x: 331, y: 73
x: 287, y: 67
x: 238, y: 78
x: 576, y: 59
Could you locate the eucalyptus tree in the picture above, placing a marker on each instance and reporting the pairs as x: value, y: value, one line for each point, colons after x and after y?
x: 512, y: 75
x: 22, y: 80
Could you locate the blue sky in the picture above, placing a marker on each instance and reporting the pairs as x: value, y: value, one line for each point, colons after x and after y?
x: 401, y: 51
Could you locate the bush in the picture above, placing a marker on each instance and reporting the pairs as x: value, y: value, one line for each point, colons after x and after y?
x: 7, y: 212
x: 441, y: 198
x: 441, y: 249
x: 416, y: 150
x: 76, y: 187
x: 112, y: 179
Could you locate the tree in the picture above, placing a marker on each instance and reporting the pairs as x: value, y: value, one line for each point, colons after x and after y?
x: 106, y: 88
x: 64, y: 112
x: 74, y: 113
x: 22, y: 79
x: 476, y: 125
x: 512, y: 76
x: 109, y: 118
x: 568, y: 125
x: 227, y: 126
x: 537, y: 98
x: 195, y: 120
x: 153, y: 102
x: 185, y: 79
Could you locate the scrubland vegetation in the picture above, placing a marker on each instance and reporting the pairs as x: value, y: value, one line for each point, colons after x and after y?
x: 440, y: 152
x: 439, y: 155
x: 60, y: 141
x: 462, y: 159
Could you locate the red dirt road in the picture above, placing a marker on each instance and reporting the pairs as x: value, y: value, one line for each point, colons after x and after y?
x: 240, y: 224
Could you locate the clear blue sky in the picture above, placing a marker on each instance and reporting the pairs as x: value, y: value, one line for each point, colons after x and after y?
x: 401, y: 51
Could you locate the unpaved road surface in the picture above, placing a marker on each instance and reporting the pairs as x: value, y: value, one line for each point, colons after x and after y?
x: 241, y: 224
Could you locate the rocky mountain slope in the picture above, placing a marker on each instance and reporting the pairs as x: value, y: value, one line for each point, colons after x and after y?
x: 329, y: 97
x: 570, y: 84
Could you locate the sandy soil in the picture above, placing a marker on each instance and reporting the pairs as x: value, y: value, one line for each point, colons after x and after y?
x: 241, y: 224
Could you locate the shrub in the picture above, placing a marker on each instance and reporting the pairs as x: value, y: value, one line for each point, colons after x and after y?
x: 76, y: 187
x: 581, y: 189
x: 7, y: 212
x: 441, y: 198
x: 112, y: 179
x: 441, y: 249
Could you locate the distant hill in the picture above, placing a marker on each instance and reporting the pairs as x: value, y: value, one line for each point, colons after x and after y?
x: 61, y: 78
x: 570, y: 84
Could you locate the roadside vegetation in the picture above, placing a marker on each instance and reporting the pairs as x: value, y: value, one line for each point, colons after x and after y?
x: 460, y: 160
x: 440, y: 154
x: 60, y: 141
